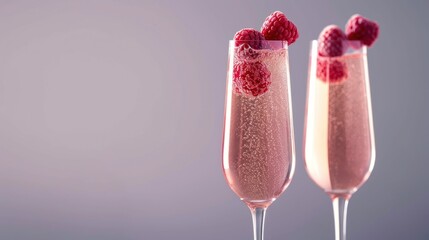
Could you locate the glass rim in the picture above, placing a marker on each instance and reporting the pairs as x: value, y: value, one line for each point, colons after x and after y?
x: 232, y: 40
x: 347, y: 40
x: 356, y: 45
x: 283, y: 43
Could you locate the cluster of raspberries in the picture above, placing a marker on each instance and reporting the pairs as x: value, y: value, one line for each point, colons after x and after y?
x: 333, y: 42
x: 253, y: 77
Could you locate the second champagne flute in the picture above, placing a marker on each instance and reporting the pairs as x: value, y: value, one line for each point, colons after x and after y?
x: 339, y: 147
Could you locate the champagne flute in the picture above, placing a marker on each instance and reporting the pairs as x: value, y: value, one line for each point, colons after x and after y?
x: 258, y: 140
x: 339, y: 148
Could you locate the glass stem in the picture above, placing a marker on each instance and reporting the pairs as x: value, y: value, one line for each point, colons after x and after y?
x: 258, y: 216
x: 340, y: 216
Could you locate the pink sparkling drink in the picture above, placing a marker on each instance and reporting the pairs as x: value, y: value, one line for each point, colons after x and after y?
x: 339, y: 148
x: 258, y: 145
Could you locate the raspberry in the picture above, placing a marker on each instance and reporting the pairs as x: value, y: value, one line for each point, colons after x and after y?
x: 245, y: 52
x: 331, y: 41
x: 363, y: 29
x: 337, y: 70
x: 249, y: 36
x: 252, y: 78
x: 278, y: 27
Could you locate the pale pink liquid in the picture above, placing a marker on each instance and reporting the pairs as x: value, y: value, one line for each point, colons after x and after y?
x: 338, y: 143
x: 258, y: 151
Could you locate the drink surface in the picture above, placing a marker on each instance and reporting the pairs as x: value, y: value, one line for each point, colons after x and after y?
x: 338, y: 140
x: 258, y: 147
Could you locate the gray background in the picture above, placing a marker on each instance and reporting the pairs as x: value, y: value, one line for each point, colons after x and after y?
x: 111, y: 120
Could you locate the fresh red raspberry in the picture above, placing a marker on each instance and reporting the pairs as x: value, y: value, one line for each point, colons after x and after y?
x: 249, y: 36
x: 363, y: 29
x: 252, y: 78
x: 331, y: 41
x: 278, y: 27
x: 337, y: 70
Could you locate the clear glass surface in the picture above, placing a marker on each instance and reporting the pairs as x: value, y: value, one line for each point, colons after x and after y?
x: 339, y: 148
x: 258, y: 140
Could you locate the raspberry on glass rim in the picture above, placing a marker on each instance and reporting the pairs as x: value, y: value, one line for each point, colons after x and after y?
x: 249, y: 36
x: 278, y: 27
x: 331, y: 41
x: 362, y: 29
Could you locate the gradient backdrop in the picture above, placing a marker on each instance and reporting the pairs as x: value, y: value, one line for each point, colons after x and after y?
x: 111, y: 117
